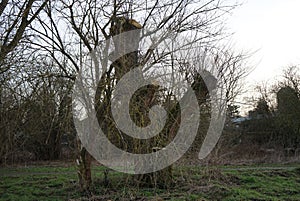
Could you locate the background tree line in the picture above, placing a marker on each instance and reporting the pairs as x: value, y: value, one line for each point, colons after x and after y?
x: 273, y: 123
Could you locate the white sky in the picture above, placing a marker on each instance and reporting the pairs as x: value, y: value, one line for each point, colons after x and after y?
x: 272, y: 27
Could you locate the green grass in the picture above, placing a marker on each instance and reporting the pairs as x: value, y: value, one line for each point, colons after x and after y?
x: 191, y: 183
x: 35, y: 188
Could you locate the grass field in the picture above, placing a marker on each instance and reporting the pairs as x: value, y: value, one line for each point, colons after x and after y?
x: 267, y: 182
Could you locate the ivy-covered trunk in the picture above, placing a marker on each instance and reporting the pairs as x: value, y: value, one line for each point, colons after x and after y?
x: 140, y: 104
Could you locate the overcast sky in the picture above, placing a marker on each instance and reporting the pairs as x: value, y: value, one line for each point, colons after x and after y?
x: 273, y: 28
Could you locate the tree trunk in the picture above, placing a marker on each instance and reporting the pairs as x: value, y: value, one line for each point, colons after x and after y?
x: 84, y: 169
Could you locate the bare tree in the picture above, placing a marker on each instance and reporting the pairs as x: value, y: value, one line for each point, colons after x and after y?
x: 16, y: 16
x: 70, y: 29
x: 291, y: 77
x: 35, y: 109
